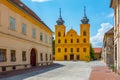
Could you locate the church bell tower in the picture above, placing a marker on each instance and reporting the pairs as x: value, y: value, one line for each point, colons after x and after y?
x: 85, y: 36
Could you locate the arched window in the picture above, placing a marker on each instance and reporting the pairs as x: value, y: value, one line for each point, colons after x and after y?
x: 71, y: 40
x: 84, y: 40
x: 59, y: 41
x: 84, y: 33
x: 65, y: 40
x: 59, y: 34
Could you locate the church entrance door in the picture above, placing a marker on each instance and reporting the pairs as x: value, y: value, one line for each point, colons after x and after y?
x: 71, y: 56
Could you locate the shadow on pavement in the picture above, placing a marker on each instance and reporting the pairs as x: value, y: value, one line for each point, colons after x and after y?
x: 29, y: 72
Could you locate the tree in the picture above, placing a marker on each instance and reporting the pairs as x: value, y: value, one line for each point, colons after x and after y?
x: 91, y: 52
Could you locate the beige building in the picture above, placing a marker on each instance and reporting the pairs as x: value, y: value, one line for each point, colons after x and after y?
x: 115, y: 4
x: 25, y: 40
x: 108, y: 47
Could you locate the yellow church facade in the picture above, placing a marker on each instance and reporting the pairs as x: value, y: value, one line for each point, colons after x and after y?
x: 70, y: 45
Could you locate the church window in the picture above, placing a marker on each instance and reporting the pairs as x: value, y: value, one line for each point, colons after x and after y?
x: 84, y: 40
x: 65, y: 49
x: 77, y: 49
x: 65, y: 40
x: 77, y: 40
x: 59, y: 34
x: 59, y: 41
x: 84, y: 49
x: 59, y: 49
x: 84, y: 33
x: 71, y: 49
x: 71, y: 40
x: 2, y: 55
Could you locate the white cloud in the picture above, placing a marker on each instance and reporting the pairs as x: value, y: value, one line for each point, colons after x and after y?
x: 97, y: 39
x: 110, y: 15
x: 40, y: 0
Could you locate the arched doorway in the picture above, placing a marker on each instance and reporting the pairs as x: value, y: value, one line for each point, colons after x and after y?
x: 33, y: 57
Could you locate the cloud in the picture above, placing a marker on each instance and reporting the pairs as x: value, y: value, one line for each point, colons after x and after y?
x: 110, y: 15
x: 40, y: 0
x: 97, y: 40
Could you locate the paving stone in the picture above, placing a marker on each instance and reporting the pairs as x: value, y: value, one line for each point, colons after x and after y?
x: 63, y: 70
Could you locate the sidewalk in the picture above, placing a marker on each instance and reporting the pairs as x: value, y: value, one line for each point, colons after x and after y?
x: 24, y: 71
x: 103, y: 73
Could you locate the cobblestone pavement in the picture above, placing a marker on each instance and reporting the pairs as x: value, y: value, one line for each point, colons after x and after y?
x: 103, y: 73
x: 71, y: 70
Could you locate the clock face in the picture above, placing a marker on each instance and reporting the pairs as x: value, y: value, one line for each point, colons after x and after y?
x: 84, y: 28
x: 58, y: 29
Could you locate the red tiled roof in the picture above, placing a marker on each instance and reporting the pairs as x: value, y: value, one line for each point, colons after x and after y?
x: 97, y: 50
x: 111, y: 31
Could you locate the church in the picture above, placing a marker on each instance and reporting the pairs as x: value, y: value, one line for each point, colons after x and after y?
x: 70, y: 45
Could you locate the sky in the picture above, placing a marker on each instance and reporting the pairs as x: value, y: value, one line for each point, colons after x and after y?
x: 99, y: 13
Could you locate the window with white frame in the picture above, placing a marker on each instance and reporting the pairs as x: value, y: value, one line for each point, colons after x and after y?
x: 41, y: 36
x: 41, y: 56
x: 46, y: 39
x: 50, y: 40
x: 23, y: 55
x: 23, y: 28
x: 2, y: 55
x: 12, y: 23
x: 34, y: 33
x: 13, y: 55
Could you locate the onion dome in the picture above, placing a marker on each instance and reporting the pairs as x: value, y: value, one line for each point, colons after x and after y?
x: 60, y: 21
x: 85, y: 20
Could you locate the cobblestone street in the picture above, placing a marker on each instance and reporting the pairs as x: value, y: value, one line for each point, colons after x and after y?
x: 64, y: 70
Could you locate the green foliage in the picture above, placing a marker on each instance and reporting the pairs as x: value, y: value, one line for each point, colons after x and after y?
x: 112, y: 67
x: 91, y: 52
x: 88, y: 58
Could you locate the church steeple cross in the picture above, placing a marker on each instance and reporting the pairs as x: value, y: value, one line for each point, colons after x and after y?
x: 84, y: 11
x: 60, y: 13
